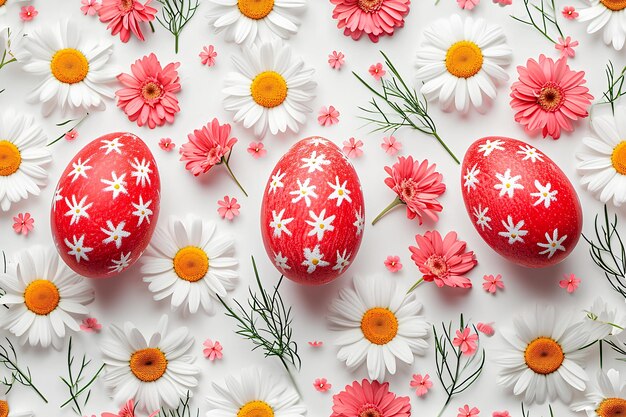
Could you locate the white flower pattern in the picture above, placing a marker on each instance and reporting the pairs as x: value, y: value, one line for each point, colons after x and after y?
x: 514, y: 232
x: 552, y: 244
x: 508, y: 184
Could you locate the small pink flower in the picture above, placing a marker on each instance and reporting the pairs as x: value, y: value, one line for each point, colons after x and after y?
x: 90, y: 325
x: 467, y: 4
x: 89, y: 7
x: 486, y: 329
x: 377, y: 71
x: 128, y: 410
x: 393, y: 263
x: 336, y: 60
x: 566, y: 47
x: 570, y: 283
x: 466, y: 341
x: 466, y: 412
x: 316, y: 344
x: 421, y: 384
x: 229, y: 208
x: 501, y: 414
x: 503, y: 3
x: 207, y: 56
x: 257, y: 149
x: 71, y: 135
x: 352, y: 148
x: 212, y: 350
x: 322, y: 385
x: 569, y: 12
x: 167, y: 145
x: 328, y: 116
x: 28, y: 13
x: 390, y: 145
x: 492, y: 283
x: 23, y: 224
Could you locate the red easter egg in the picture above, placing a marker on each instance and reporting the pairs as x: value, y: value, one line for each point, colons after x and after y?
x: 106, y: 205
x: 520, y: 202
x: 312, y: 215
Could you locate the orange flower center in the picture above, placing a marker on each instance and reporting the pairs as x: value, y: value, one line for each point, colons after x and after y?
x: 126, y: 5
x: 269, y: 89
x: 464, y: 59
x: 10, y: 158
x: 615, y: 5
x: 148, y: 365
x: 191, y: 264
x: 544, y: 355
x: 256, y: 409
x: 407, y: 189
x: 2, y: 3
x: 4, y: 406
x: 151, y: 91
x: 41, y: 297
x: 69, y: 66
x: 255, y: 9
x: 369, y: 410
x: 612, y: 407
x: 369, y: 6
x: 379, y: 325
x: 551, y: 97
x: 618, y: 158
x: 437, y: 265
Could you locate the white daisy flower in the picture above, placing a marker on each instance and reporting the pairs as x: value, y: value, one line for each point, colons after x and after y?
x: 254, y: 393
x: 6, y: 4
x: 270, y: 89
x: 73, y: 68
x: 543, y: 359
x: 189, y: 261
x: 251, y: 21
x: 603, y: 158
x: 378, y: 324
x: 460, y: 61
x: 608, y: 397
x: 45, y: 298
x: 23, y: 156
x: 602, y: 321
x: 6, y: 409
x: 608, y: 15
x: 156, y: 371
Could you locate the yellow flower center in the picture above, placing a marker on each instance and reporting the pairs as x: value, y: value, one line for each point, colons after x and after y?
x: 255, y: 9
x: 551, y: 97
x: 618, y: 158
x: 10, y: 158
x: 369, y: 6
x: 615, y: 5
x: 255, y: 409
x: 151, y: 91
x: 4, y: 406
x: 544, y: 355
x: 379, y: 325
x: 612, y: 407
x: 126, y: 5
x: 464, y: 59
x: 2, y: 3
x: 69, y: 66
x: 41, y: 297
x: 148, y: 365
x: 191, y: 263
x: 269, y: 89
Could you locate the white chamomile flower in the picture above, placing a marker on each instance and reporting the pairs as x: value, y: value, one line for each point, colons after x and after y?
x: 6, y: 409
x: 602, y: 321
x: 73, y: 68
x: 460, y: 61
x: 378, y: 325
x: 270, y: 89
x: 603, y: 158
x: 45, y: 298
x: 607, y: 398
x: 543, y: 359
x: 23, y: 156
x: 254, y: 393
x: 5, y: 4
x: 251, y: 21
x: 608, y: 15
x: 188, y: 260
x: 156, y: 371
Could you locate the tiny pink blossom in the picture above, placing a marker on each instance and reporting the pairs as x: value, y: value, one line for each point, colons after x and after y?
x: 229, y: 208
x: 90, y: 325
x: 466, y: 341
x: 466, y: 412
x: 71, y: 135
x: 570, y: 283
x: 336, y: 60
x: 316, y: 344
x: 467, y: 4
x: 167, y: 145
x: 492, y: 283
x: 566, y: 47
x: 257, y: 149
x: 89, y: 7
x: 390, y: 145
x: 503, y: 3
x: 128, y: 410
x: 393, y: 263
x: 28, y: 13
x: 569, y: 12
x: 352, y: 148
x: 328, y: 116
x: 207, y: 56
x: 212, y: 350
x: 322, y: 385
x: 421, y: 384
x: 23, y: 224
x: 377, y: 71
x: 486, y: 329
x: 501, y: 414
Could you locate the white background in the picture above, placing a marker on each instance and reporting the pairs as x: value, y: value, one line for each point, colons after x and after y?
x: 127, y: 298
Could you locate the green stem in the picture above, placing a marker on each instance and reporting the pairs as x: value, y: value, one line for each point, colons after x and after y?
x: 442, y: 143
x: 83, y: 388
x: 176, y: 43
x: 25, y: 378
x: 600, y: 346
x: 75, y: 126
x: 293, y: 380
x: 233, y: 176
x: 419, y: 281
x: 151, y: 26
x: 396, y: 202
x: 4, y: 63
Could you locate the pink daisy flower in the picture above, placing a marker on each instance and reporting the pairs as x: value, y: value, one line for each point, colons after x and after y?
x: 467, y: 4
x: 466, y: 412
x: 336, y: 60
x: 443, y: 261
x: 71, y: 135
x: 166, y: 144
x: 23, y: 224
x: 212, y: 350
x: 207, y: 56
x: 501, y: 414
x: 257, y: 149
x: 125, y: 16
x: 569, y: 12
x: 316, y: 344
x: 352, y: 148
x: 149, y: 94
x: 322, y: 385
x: 377, y: 71
x: 548, y: 96
x: 28, y: 13
x: 370, y: 399
x: 90, y: 325
x: 417, y: 186
x: 486, y: 329
x: 393, y: 263
x: 128, y: 411
x: 466, y: 342
x: 328, y: 116
x: 566, y: 47
x: 229, y: 208
x: 570, y: 283
x: 89, y: 7
x: 390, y: 145
x: 492, y: 284
x: 503, y: 3
x: 373, y: 18
x: 421, y: 384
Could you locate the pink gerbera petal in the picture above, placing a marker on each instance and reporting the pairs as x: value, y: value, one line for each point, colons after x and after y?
x: 370, y: 398
x: 125, y: 16
x: 373, y: 18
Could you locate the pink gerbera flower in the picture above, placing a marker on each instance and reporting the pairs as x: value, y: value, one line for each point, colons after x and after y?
x: 207, y: 56
x: 322, y: 385
x: 393, y: 264
x: 569, y: 12
x: 417, y: 185
x: 548, y: 96
x: 228, y: 208
x: 257, y: 149
x: 570, y: 283
x: 328, y: 116
x: 370, y: 399
x: 28, y: 13
x: 465, y: 341
x: 149, y: 96
x: 377, y: 71
x: 212, y: 350
x: 373, y: 18
x: 166, y: 144
x: 352, y: 148
x: 465, y: 411
x: 492, y: 284
x: 90, y: 325
x: 128, y: 411
x: 390, y: 145
x: 566, y: 46
x: 336, y: 60
x: 23, y: 223
x: 443, y: 261
x: 89, y: 7
x: 421, y: 384
x: 125, y: 16
x: 467, y: 4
